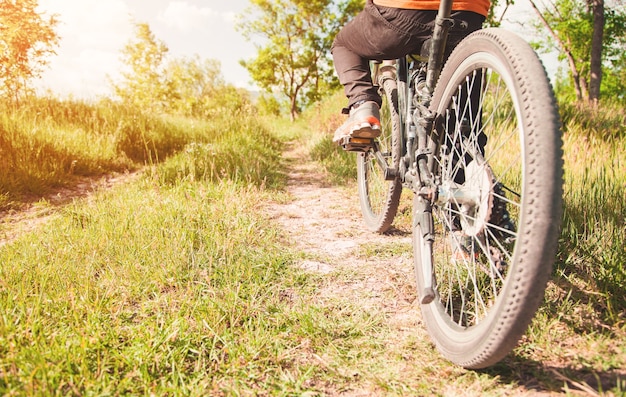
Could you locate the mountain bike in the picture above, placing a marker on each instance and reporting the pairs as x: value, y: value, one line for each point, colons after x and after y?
x: 478, y: 143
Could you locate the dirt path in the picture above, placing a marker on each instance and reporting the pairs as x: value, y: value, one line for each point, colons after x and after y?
x: 325, y: 223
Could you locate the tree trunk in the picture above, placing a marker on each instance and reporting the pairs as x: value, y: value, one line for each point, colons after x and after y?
x: 579, y: 83
x: 595, y: 80
x: 293, y: 112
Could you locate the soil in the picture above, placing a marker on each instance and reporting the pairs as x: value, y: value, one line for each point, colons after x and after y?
x: 324, y: 222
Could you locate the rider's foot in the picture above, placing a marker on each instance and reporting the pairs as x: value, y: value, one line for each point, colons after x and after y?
x: 461, y: 247
x: 500, y: 215
x: 364, y: 122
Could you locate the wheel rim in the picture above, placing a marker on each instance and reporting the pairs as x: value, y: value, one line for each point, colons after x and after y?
x: 378, y: 195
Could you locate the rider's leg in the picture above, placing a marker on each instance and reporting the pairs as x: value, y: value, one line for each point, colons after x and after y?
x: 375, y: 33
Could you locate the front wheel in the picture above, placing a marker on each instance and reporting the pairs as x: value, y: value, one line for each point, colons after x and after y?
x: 379, y: 197
x: 495, y: 230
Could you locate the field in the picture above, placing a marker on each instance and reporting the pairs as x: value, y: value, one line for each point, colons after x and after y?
x: 210, y: 267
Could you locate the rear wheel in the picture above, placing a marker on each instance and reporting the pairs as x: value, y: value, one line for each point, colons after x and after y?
x: 379, y: 197
x: 498, y: 146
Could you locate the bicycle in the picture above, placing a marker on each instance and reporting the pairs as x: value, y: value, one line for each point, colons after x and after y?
x: 478, y: 142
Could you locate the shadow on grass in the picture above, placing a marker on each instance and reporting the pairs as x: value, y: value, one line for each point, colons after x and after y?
x: 394, y: 231
x: 551, y: 377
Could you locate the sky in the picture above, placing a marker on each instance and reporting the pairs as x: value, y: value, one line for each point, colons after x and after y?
x: 93, y: 33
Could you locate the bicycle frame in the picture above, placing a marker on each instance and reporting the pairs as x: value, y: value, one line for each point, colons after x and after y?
x: 418, y: 121
x: 418, y: 77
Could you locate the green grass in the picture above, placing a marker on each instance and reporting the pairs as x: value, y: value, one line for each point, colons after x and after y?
x: 320, y: 122
x: 180, y: 284
x: 173, y: 285
x: 244, y: 152
x: 179, y: 288
x: 592, y: 256
x: 147, y: 290
x: 47, y: 143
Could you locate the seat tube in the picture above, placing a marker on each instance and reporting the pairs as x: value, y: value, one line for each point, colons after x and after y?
x: 438, y: 44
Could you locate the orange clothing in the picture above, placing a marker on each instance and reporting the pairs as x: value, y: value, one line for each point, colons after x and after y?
x: 478, y: 6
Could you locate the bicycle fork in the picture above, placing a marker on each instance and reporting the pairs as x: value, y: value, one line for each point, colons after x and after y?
x: 422, y: 183
x: 420, y: 125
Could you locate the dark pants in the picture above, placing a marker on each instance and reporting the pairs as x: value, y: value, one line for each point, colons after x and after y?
x: 380, y: 33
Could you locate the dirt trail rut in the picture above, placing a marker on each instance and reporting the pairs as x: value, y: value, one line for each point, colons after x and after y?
x: 325, y: 223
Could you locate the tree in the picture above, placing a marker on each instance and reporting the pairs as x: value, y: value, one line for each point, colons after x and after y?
x: 492, y: 19
x: 186, y: 86
x: 144, y: 84
x: 294, y: 60
x: 27, y: 38
x: 190, y: 82
x: 196, y: 88
x: 590, y: 34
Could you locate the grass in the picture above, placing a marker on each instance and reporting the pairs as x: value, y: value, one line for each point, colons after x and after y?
x: 179, y: 284
x: 321, y: 122
x: 594, y: 227
x: 147, y: 290
x: 149, y: 287
x: 176, y: 284
x: 47, y: 143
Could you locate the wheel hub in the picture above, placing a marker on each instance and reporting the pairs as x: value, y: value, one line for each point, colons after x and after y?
x: 479, y: 181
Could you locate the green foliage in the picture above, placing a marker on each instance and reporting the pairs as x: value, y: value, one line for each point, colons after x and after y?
x: 268, y: 105
x: 173, y: 285
x: 340, y: 164
x: 183, y: 86
x: 572, y: 22
x: 144, y: 86
x: 245, y: 152
x: 606, y: 122
x: 46, y: 143
x: 294, y: 57
x: 314, y: 130
x: 614, y: 74
x: 493, y: 19
x: 594, y: 226
x: 27, y: 38
x: 146, y: 290
x: 614, y: 81
x: 195, y: 87
x: 319, y: 123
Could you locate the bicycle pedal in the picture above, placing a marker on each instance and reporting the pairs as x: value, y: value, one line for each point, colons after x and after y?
x: 354, y: 144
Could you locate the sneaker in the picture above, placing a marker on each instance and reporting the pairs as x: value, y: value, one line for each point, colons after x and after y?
x: 364, y: 122
x: 500, y: 215
x: 461, y: 247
